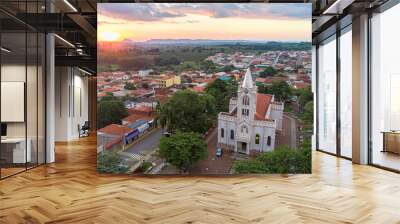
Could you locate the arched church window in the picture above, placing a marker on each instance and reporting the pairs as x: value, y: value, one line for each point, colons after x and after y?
x: 232, y: 134
x: 222, y: 132
x: 245, y: 112
x: 269, y: 141
x: 257, y: 139
x: 244, y: 129
x: 246, y: 100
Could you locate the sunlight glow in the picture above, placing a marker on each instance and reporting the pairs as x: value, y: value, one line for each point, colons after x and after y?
x: 109, y: 36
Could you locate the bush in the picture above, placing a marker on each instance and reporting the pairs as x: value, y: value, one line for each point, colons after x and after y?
x: 145, y: 166
x: 282, y: 160
x: 110, y: 162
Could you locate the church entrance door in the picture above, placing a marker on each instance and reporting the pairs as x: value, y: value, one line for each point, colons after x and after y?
x: 242, y: 147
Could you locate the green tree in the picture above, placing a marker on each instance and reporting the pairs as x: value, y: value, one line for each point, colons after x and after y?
x: 188, y: 111
x: 222, y: 91
x: 282, y: 160
x: 305, y: 95
x: 280, y: 89
x: 268, y: 71
x: 129, y: 86
x: 208, y: 66
x: 228, y: 68
x: 108, y: 96
x: 183, y: 149
x: 110, y: 162
x: 307, y: 113
x: 110, y: 111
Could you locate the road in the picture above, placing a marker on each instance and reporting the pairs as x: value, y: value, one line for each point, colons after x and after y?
x: 146, y: 144
x: 214, y: 164
x: 276, y: 59
x: 289, y: 131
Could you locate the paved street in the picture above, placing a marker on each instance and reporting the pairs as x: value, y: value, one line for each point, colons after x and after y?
x: 289, y: 132
x: 214, y: 164
x: 146, y: 144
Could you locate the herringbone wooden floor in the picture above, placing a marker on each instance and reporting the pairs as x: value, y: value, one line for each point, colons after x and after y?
x: 71, y: 191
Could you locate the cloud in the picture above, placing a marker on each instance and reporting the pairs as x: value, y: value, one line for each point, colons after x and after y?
x: 135, y: 11
x: 111, y: 23
x: 192, y: 21
x: 249, y: 10
x: 161, y: 11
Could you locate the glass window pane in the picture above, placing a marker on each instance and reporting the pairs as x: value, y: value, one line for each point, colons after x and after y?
x: 31, y: 97
x: 41, y: 98
x: 346, y: 94
x: 13, y: 86
x: 327, y: 96
x: 385, y: 92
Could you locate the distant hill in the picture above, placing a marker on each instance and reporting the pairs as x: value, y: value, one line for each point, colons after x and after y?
x: 248, y: 44
x: 207, y: 41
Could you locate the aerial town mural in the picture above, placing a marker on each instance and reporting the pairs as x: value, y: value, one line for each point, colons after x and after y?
x: 204, y: 88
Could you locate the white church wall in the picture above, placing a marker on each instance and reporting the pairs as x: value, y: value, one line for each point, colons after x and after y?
x: 221, y: 125
x: 231, y: 126
x: 227, y: 126
x: 260, y: 131
x: 268, y: 132
x: 277, y: 114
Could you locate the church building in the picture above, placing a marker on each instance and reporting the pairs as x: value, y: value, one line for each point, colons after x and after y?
x: 252, y: 121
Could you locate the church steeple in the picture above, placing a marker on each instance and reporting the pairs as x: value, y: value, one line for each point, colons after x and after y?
x: 248, y: 80
x: 247, y: 92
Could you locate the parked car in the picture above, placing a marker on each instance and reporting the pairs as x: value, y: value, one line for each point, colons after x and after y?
x: 218, y: 153
x: 167, y: 134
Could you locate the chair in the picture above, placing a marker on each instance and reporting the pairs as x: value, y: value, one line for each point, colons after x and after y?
x: 84, y: 130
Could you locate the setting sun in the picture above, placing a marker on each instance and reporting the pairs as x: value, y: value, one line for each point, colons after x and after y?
x: 108, y: 36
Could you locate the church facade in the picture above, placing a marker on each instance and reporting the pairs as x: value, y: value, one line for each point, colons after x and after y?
x: 252, y: 121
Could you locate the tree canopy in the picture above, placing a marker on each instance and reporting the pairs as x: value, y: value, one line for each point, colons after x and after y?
x: 183, y: 149
x: 280, y: 89
x: 110, y: 111
x: 188, y: 111
x: 305, y: 95
x: 282, y: 160
x: 268, y: 71
x: 307, y: 113
x: 222, y: 91
x: 129, y: 86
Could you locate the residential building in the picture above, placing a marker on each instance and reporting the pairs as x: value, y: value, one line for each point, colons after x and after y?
x: 165, y: 81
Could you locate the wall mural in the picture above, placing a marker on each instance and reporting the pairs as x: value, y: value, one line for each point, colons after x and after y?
x: 196, y: 89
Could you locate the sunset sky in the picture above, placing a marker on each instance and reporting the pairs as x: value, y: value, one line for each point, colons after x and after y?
x: 219, y: 21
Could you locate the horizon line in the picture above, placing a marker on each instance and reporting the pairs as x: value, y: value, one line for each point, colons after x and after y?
x: 199, y: 39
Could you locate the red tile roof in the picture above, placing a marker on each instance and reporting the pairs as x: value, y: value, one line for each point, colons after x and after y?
x: 137, y: 116
x: 115, y: 129
x: 262, y: 105
x: 301, y: 85
x: 199, y: 88
x: 260, y: 79
x: 142, y: 108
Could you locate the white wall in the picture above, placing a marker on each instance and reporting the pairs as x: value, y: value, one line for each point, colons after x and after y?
x: 71, y: 103
x: 33, y: 126
x: 314, y: 90
x: 227, y: 126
